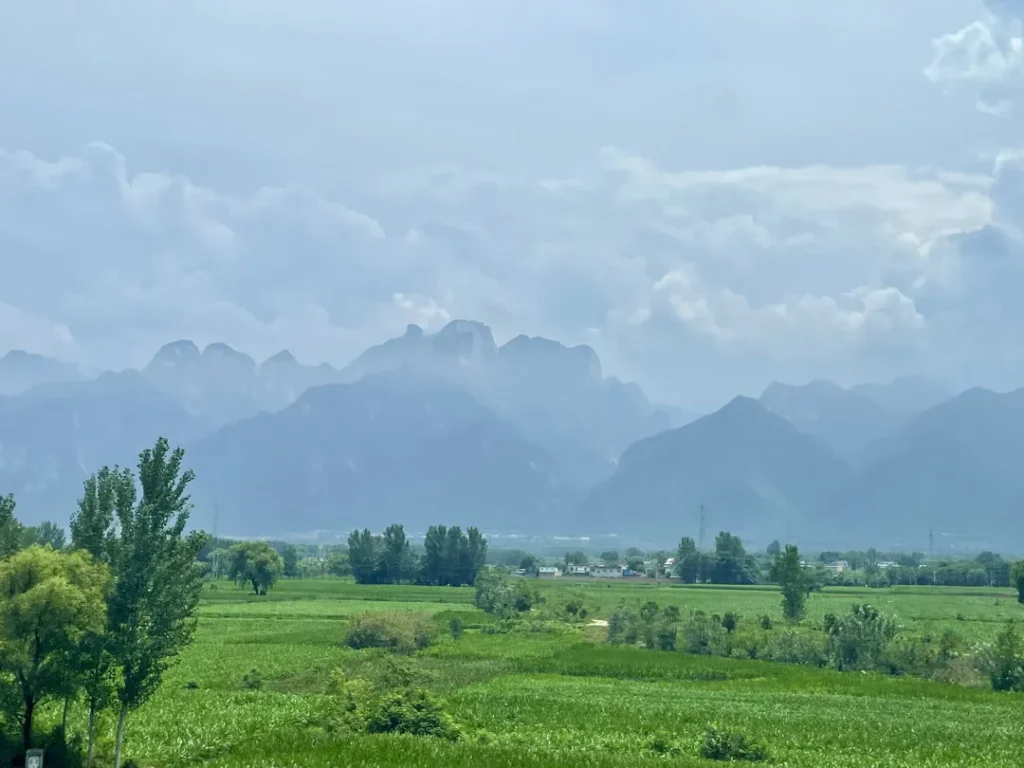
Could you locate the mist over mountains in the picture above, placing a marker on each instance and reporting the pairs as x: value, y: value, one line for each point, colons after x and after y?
x: 526, y: 437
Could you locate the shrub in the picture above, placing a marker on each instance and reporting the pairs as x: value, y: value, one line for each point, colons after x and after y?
x: 795, y: 648
x: 252, y: 681
x: 858, y: 640
x: 1003, y: 662
x: 730, y: 621
x: 413, y: 712
x: 766, y: 622
x: 396, y: 632
x: 456, y: 627
x: 702, y: 635
x: 622, y: 627
x: 729, y: 745
x: 663, y: 744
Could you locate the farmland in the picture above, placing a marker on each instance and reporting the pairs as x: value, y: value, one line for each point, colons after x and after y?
x: 563, y: 697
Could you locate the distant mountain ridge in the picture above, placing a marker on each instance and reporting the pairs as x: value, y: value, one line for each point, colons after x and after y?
x: 527, y: 436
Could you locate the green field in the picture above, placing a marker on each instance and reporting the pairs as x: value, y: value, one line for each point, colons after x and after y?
x: 566, y: 698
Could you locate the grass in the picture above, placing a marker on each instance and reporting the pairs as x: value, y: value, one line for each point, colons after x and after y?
x: 557, y: 699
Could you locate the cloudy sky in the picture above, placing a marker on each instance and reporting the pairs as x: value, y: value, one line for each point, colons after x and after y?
x: 711, y: 193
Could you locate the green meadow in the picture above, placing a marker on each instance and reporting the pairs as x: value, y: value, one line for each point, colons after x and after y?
x: 562, y: 696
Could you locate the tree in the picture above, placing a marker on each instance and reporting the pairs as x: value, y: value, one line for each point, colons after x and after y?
x: 529, y: 563
x: 791, y: 576
x: 576, y: 557
x: 610, y: 558
x: 256, y: 563
x: 688, y: 560
x: 362, y: 555
x: 396, y: 561
x: 1017, y: 579
x: 290, y: 560
x: 338, y: 564
x: 158, y: 580
x: 51, y: 601
x: 92, y: 531
x: 10, y: 528
x: 774, y: 549
x: 635, y: 552
x: 730, y: 560
x: 46, y: 534
x: 451, y: 556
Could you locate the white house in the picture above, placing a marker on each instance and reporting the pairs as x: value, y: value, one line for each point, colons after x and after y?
x: 578, y: 570
x: 548, y: 572
x: 606, y: 571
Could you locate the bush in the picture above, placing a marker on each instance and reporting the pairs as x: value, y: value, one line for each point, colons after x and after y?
x: 730, y: 621
x: 396, y: 632
x: 663, y: 744
x: 766, y: 622
x: 252, y: 681
x: 730, y: 745
x: 795, y: 648
x: 414, y: 712
x: 858, y: 640
x: 456, y: 627
x: 622, y: 627
x: 1003, y: 662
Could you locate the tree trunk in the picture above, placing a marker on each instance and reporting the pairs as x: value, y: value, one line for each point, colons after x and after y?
x: 119, y: 739
x: 26, y: 725
x: 64, y: 719
x: 91, y: 749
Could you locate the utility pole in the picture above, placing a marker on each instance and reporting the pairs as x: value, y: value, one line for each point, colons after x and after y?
x: 700, y: 535
x: 931, y: 543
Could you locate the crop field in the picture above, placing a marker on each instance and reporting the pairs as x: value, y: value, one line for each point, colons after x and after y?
x: 564, y: 698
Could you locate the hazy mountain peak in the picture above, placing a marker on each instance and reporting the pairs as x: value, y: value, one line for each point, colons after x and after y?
x: 220, y: 353
x: 552, y: 356
x: 21, y: 370
x: 283, y: 359
x: 413, y: 331
x: 176, y: 353
x: 466, y: 339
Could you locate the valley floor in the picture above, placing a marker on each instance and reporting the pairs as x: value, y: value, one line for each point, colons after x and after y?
x: 565, y: 698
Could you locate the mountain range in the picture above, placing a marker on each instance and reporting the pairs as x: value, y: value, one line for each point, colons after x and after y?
x: 529, y: 436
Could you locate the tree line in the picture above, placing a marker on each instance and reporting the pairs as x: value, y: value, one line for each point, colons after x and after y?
x: 450, y: 557
x: 98, y: 620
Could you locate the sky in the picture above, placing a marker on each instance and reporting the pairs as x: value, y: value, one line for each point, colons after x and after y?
x: 713, y: 194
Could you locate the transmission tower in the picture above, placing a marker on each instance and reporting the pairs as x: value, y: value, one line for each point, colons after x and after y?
x: 931, y: 542
x: 700, y: 535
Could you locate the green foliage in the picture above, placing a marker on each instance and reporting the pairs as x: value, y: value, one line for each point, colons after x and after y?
x: 51, y: 602
x: 529, y: 563
x: 158, y: 580
x: 794, y: 580
x: 774, y: 549
x: 576, y: 557
x: 256, y: 563
x: 719, y: 744
x: 10, y: 528
x: 503, y: 597
x: 1003, y: 661
x: 1017, y: 579
x: 415, y: 712
x: 252, y: 680
x: 688, y: 560
x: 397, y: 632
x: 611, y: 557
x: 456, y: 626
x: 765, y: 621
x: 46, y: 534
x: 452, y: 557
x: 858, y: 640
x: 290, y: 560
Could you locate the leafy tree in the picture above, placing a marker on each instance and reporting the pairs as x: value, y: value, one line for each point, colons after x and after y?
x: 529, y: 563
x: 791, y: 576
x: 92, y: 531
x: 610, y: 557
x: 635, y: 552
x: 730, y: 560
x: 688, y: 560
x: 51, y: 602
x: 362, y: 554
x: 290, y: 560
x: 576, y: 557
x: 635, y: 564
x: 1017, y: 579
x: 10, y: 528
x: 338, y: 563
x: 396, y: 561
x: 46, y: 534
x: 158, y: 580
x: 451, y: 556
x: 774, y: 549
x: 256, y: 563
x: 1003, y: 662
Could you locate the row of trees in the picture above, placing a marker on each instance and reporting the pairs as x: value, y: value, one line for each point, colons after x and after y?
x: 100, y: 621
x: 728, y: 564
x: 451, y: 556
